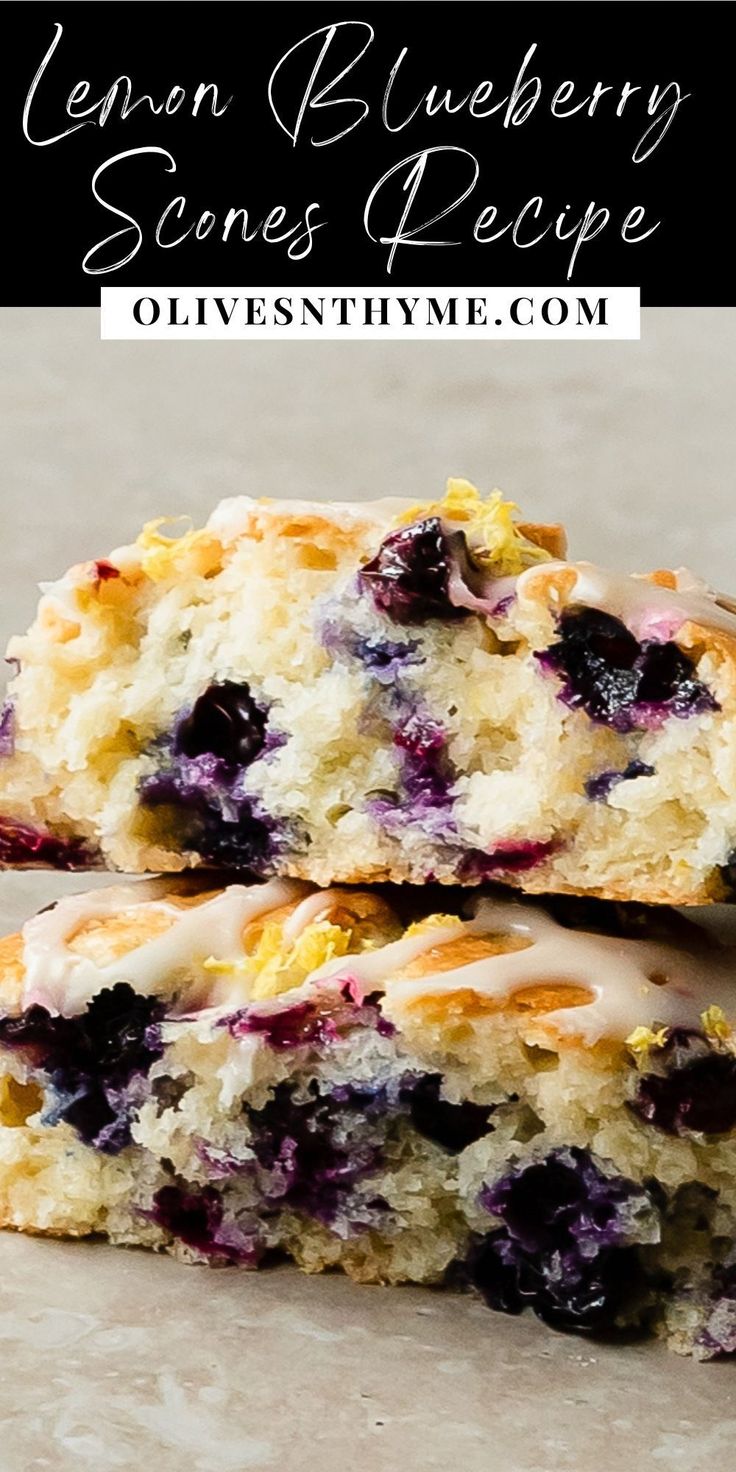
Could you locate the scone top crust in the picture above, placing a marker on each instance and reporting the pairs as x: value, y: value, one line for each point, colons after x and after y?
x: 324, y: 537
x: 199, y: 948
x: 99, y: 605
x: 313, y: 536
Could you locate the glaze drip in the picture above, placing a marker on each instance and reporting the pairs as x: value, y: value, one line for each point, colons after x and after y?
x: 629, y: 982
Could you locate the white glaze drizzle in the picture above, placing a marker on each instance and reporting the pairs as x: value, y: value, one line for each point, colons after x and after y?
x: 232, y: 518
x: 373, y: 968
x: 496, y: 591
x: 648, y: 610
x: 315, y: 907
x: 617, y: 972
x: 64, y: 981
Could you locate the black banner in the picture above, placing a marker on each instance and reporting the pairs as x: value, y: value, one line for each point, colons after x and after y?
x: 408, y: 144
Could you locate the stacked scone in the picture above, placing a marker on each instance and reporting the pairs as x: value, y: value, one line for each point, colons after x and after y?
x: 362, y: 1045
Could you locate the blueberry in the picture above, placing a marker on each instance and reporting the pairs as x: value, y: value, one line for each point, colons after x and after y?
x: 695, y: 1091
x: 92, y: 1058
x: 409, y: 577
x: 453, y: 1126
x: 616, y: 680
x: 299, y: 1026
x: 308, y: 1025
x: 575, y: 1295
x: 315, y: 1146
x: 567, y: 1244
x: 598, y: 788
x: 196, y: 1216
x: 225, y: 722
x: 216, y: 818
x: 426, y: 770
x: 314, y: 1150
x: 192, y: 1214
x: 200, y: 771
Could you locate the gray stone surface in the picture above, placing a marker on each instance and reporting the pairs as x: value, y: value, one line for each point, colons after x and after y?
x: 119, y: 1360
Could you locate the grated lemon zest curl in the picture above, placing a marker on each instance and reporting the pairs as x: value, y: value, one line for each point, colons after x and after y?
x: 431, y: 922
x: 493, y: 537
x: 643, y: 1039
x: 196, y: 550
x: 715, y: 1023
x: 278, y: 965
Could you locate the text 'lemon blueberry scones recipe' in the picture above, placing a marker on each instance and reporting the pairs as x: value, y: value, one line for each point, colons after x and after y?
x: 376, y: 692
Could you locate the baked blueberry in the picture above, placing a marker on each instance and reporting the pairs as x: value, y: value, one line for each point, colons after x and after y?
x: 695, y: 1089
x: 409, y: 576
x: 618, y: 681
x: 225, y: 721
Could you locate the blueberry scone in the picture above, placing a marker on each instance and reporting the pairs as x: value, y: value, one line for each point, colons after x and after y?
x: 534, y: 1103
x: 353, y: 693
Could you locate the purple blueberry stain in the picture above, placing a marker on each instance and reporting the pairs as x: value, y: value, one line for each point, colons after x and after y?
x: 23, y: 846
x: 427, y: 773
x: 618, y: 681
x: 566, y: 1246
x: 96, y: 1062
x: 693, y: 1089
x: 220, y: 821
x: 310, y: 1023
x: 504, y: 606
x: 517, y: 856
x: 315, y: 1147
x: 302, y: 1025
x: 222, y: 1164
x: 425, y: 778
x: 202, y: 771
x: 195, y: 1215
x: 384, y: 659
x: 599, y: 788
x: 367, y: 1011
x: 312, y: 1151
x: 7, y: 728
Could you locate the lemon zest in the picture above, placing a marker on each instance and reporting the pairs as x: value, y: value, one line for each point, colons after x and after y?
x: 431, y: 922
x: 642, y: 1039
x: 278, y: 965
x: 715, y: 1023
x: 164, y: 557
x: 494, y: 539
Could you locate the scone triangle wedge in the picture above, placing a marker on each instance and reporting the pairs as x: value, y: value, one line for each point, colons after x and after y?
x: 351, y: 1079
x: 376, y: 691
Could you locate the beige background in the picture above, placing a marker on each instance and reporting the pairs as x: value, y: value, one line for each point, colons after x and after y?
x: 113, y: 1360
x: 632, y: 444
